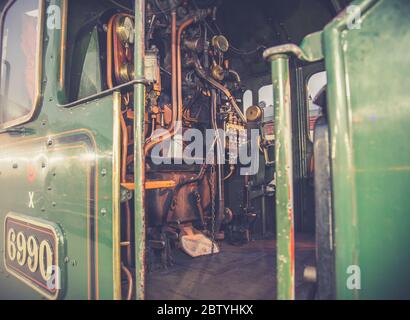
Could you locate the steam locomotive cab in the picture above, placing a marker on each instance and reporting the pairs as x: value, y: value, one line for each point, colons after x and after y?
x: 208, y: 141
x: 145, y: 146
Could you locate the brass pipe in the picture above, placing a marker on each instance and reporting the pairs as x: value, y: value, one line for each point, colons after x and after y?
x: 63, y: 44
x: 109, y: 52
x: 116, y: 206
x: 152, y: 184
x: 158, y: 184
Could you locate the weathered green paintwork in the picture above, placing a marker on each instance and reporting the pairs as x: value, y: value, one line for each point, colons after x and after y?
x: 71, y: 151
x: 285, y: 258
x: 368, y: 112
x: 309, y: 51
x: 369, y: 116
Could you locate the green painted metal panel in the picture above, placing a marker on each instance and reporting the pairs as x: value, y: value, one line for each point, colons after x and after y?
x: 369, y: 115
x: 71, y: 153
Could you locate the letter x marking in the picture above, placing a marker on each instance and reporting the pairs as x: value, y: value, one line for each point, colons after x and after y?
x: 31, y: 202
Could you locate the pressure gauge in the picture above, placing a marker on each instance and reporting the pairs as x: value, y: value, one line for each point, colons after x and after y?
x: 126, y: 72
x: 220, y: 43
x: 254, y: 113
x: 126, y: 30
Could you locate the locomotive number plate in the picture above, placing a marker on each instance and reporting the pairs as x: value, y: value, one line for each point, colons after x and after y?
x: 31, y: 253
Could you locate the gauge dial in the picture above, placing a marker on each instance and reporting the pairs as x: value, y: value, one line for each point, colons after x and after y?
x: 126, y: 30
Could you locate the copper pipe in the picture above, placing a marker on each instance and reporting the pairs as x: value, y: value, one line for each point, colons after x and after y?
x: 171, y: 131
x: 124, y: 130
x: 177, y: 106
x: 124, y: 156
x: 111, y: 36
x: 129, y: 280
x: 174, y: 66
x: 109, y: 52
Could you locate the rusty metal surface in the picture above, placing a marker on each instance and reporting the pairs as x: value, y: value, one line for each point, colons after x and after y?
x: 183, y: 209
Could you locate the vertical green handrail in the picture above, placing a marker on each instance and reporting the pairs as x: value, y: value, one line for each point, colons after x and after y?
x: 139, y: 164
x: 285, y: 255
x: 279, y: 56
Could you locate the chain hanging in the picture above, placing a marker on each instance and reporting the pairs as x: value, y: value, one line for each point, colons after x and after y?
x: 213, y: 196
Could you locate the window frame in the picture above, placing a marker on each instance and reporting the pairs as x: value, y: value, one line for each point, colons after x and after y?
x: 39, y: 61
x: 307, y: 93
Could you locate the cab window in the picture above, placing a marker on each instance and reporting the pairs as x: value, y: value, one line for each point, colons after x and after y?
x: 316, y: 84
x: 19, y: 44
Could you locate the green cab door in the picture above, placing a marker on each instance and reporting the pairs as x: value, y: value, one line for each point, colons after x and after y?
x: 366, y: 52
x: 59, y: 168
